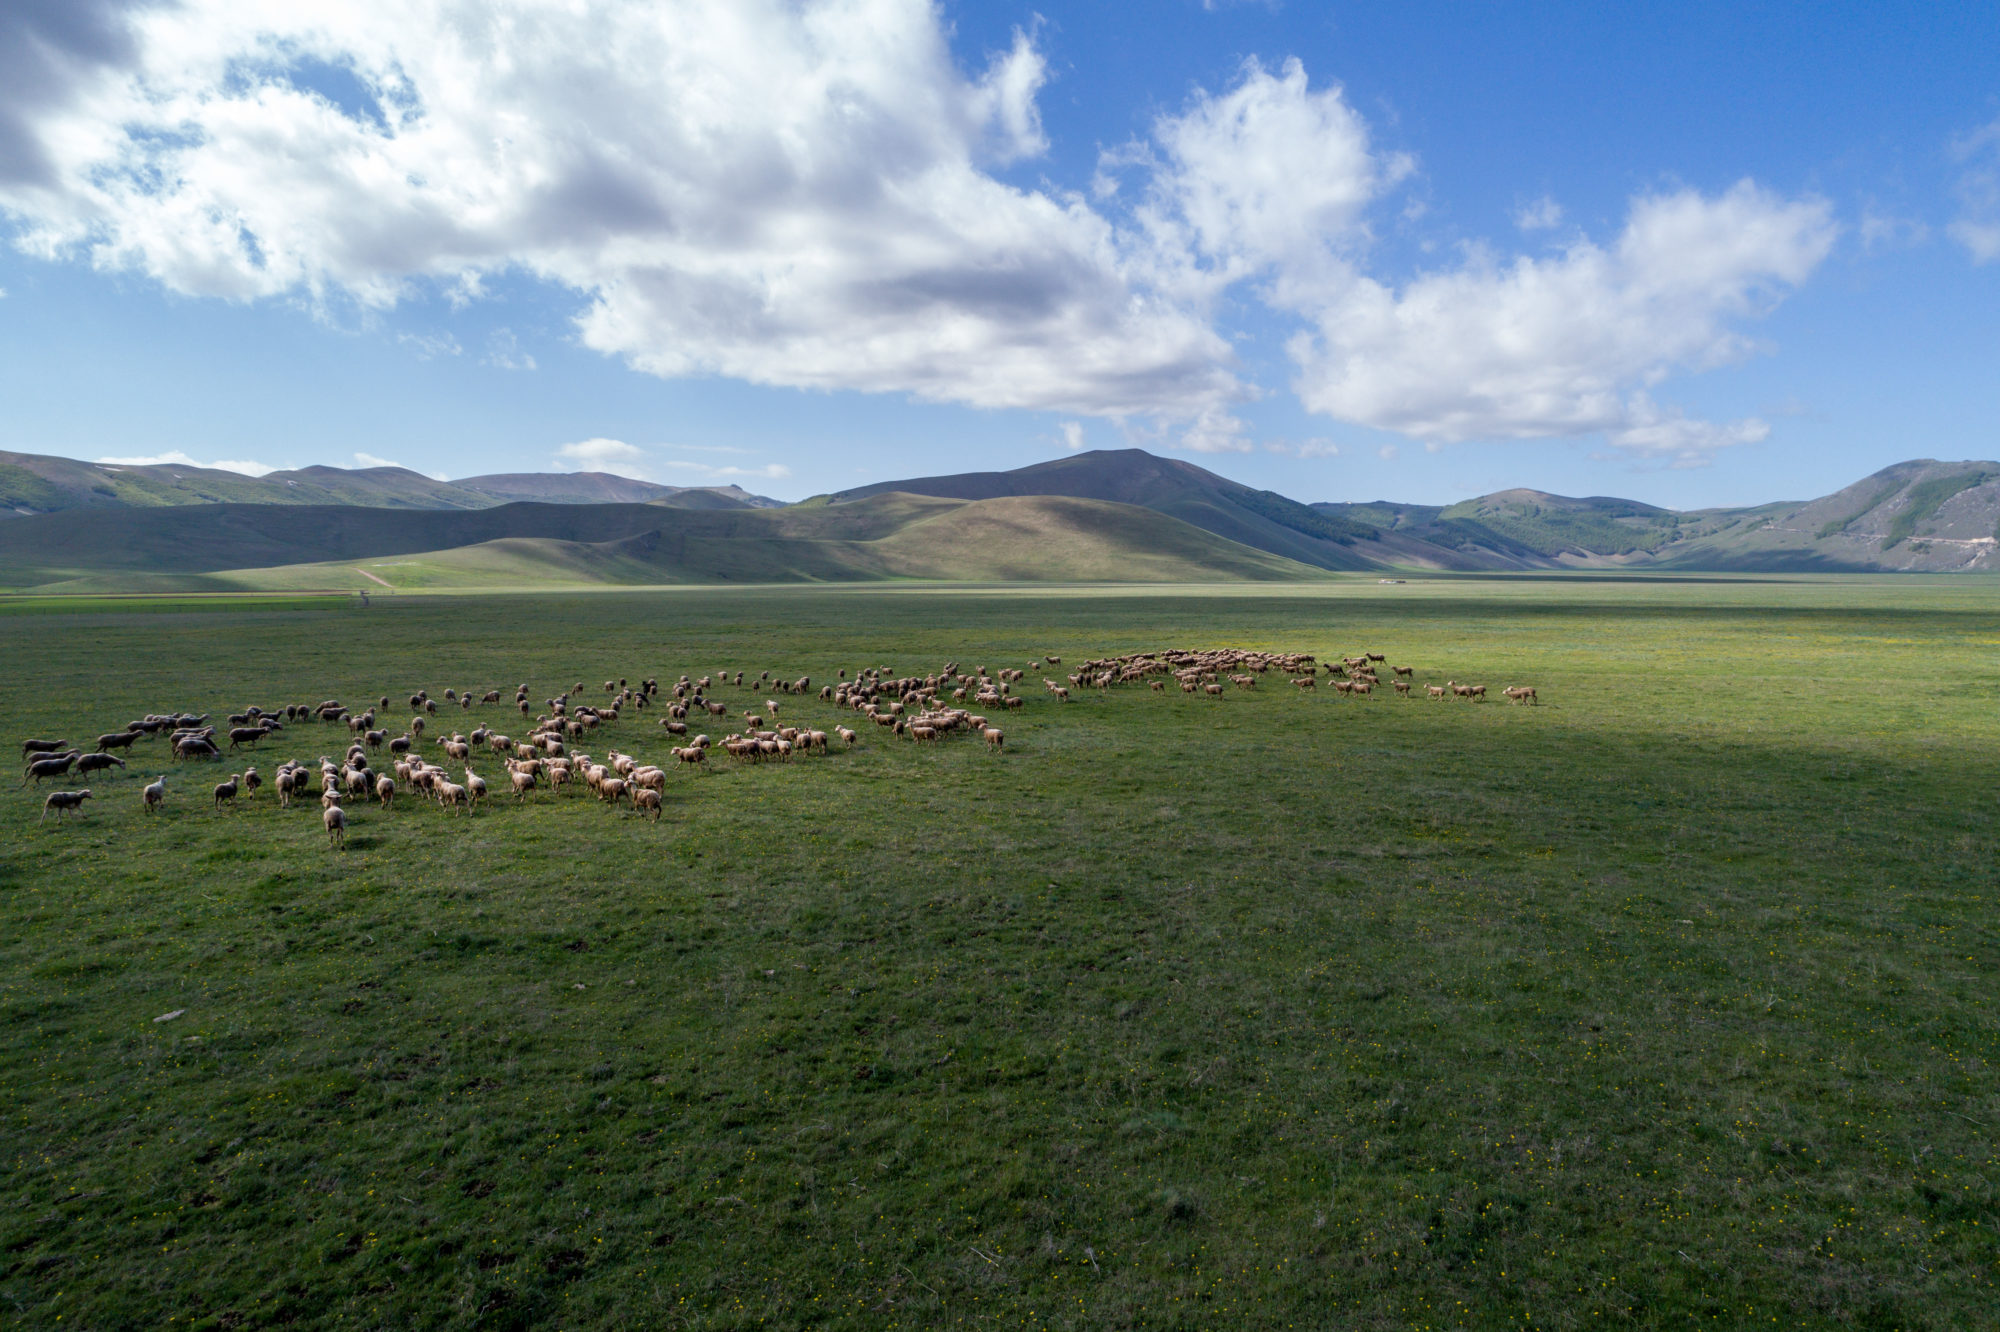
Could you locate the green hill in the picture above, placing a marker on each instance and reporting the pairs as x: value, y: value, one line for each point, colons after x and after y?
x: 1263, y: 519
x: 889, y: 536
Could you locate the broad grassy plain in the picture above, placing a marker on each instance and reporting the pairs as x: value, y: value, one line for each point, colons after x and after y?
x: 1669, y: 1002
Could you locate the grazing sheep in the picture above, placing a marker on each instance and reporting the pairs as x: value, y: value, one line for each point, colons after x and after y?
x: 64, y: 802
x: 227, y: 791
x: 335, y: 819
x: 53, y: 766
x: 97, y: 763
x: 153, y: 793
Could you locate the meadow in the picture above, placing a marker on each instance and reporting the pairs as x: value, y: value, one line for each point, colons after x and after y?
x: 1667, y: 1002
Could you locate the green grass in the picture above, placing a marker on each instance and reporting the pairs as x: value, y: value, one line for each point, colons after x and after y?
x: 1669, y: 1001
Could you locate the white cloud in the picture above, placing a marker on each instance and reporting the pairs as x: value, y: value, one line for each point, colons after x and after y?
x: 177, y: 458
x: 1560, y: 346
x: 370, y: 460
x: 1270, y: 177
x: 1307, y: 448
x: 1666, y: 435
x: 1544, y: 214
x: 504, y: 352
x: 1977, y: 226
x: 768, y: 472
x: 801, y: 193
x: 1388, y: 452
x: 1883, y: 231
x: 429, y: 346
x: 787, y: 192
x: 603, y: 455
x: 622, y: 459
x: 1072, y: 435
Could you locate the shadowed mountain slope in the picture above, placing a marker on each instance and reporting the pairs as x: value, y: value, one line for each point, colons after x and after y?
x: 1017, y: 538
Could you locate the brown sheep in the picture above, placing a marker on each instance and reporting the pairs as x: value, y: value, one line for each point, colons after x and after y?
x: 64, y: 802
x: 1403, y: 688
x: 994, y: 737
x: 117, y: 740
x: 226, y: 791
x: 97, y: 763
x: 1435, y: 691
x: 1522, y: 694
x: 41, y: 747
x: 1404, y: 671
x: 644, y: 800
x: 53, y: 766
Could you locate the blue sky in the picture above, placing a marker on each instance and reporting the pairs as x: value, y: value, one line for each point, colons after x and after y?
x: 1705, y: 254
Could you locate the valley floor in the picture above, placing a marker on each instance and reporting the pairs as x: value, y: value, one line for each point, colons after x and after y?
x: 1669, y: 1000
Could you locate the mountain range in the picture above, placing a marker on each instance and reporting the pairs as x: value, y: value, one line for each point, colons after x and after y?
x: 1110, y: 515
x: 33, y: 483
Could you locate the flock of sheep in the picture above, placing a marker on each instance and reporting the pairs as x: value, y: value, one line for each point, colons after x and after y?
x: 1204, y: 671
x: 921, y: 708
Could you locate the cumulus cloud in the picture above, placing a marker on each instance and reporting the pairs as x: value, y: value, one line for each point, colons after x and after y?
x: 785, y: 193
x: 1565, y: 345
x: 1072, y: 435
x: 603, y: 455
x: 801, y: 193
x: 370, y: 460
x: 1977, y: 226
x: 1270, y: 178
x: 175, y: 457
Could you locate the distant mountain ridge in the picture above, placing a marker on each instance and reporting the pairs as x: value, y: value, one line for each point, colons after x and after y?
x: 1920, y: 516
x: 32, y: 483
x: 1014, y: 538
x: 1108, y: 515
